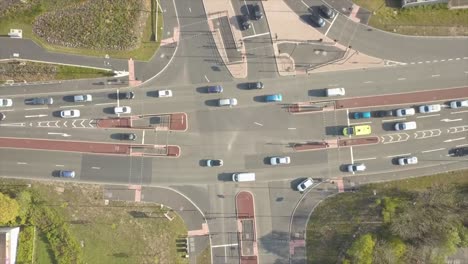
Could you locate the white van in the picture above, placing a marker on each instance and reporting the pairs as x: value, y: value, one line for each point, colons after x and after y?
x: 335, y: 92
x: 243, y: 177
x: 227, y: 102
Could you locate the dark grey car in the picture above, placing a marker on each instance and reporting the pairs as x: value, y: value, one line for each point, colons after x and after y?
x: 245, y: 22
x: 327, y: 12
x: 40, y: 101
x: 317, y: 20
x: 255, y: 85
x: 258, y: 14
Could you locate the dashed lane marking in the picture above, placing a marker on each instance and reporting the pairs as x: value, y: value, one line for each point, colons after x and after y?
x: 432, y: 150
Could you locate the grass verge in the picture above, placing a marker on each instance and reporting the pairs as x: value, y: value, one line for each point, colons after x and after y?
x: 23, y: 19
x: 427, y: 20
x: 339, y: 220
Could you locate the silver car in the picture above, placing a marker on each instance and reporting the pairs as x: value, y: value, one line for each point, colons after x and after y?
x: 405, y: 112
x: 72, y: 113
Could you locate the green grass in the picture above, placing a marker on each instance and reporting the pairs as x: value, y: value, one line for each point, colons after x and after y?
x: 112, y: 234
x: 70, y: 72
x: 24, y: 21
x: 205, y: 256
x: 43, y: 253
x: 332, y: 225
x: 427, y: 20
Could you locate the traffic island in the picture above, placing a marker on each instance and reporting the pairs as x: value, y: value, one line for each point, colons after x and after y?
x: 311, y: 107
x: 91, y: 147
x: 245, y: 212
x: 171, y: 122
x: 349, y: 142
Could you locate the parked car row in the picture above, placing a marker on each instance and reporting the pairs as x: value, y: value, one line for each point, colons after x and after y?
x: 256, y: 13
x: 323, y: 12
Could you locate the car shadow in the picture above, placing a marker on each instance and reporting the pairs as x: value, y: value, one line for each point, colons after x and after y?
x: 203, y: 89
x: 334, y: 130
x: 259, y: 99
x: 389, y: 126
x: 98, y: 83
x: 68, y: 98
x: 152, y: 93
x: 116, y: 136
x: 112, y: 96
x: 344, y: 167
x: 108, y: 110
x: 55, y: 173
x: 243, y: 86
x: 226, y: 177
x: 56, y: 113
x: 317, y: 93
x: 294, y: 183
x: 306, y: 19
x: 266, y: 160
x: 211, y: 102
x: 202, y: 163
x: 395, y: 160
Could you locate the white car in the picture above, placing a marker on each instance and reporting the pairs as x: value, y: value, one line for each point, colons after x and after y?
x: 356, y: 167
x: 405, y: 112
x: 459, y: 104
x: 405, y: 125
x: 408, y: 160
x: 164, y: 93
x: 430, y: 108
x: 304, y: 185
x: 5, y: 102
x: 122, y: 110
x: 227, y: 102
x: 280, y: 160
x: 72, y: 113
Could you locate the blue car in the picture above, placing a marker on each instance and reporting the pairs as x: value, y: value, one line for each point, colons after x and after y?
x: 215, y: 89
x: 274, y: 98
x: 361, y: 115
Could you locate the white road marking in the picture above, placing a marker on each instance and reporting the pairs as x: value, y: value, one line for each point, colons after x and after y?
x: 399, y: 155
x: 368, y: 82
x: 455, y: 139
x: 360, y: 123
x: 258, y: 124
x: 365, y: 159
x: 391, y: 120
x: 143, y: 137
x: 432, y: 150
x: 305, y: 4
x: 462, y: 145
x: 59, y: 165
x: 96, y: 168
x: 458, y: 112
x: 257, y: 35
x: 7, y: 110
x: 352, y: 156
x: 401, y: 79
x: 58, y: 133
x: 347, y: 115
x: 206, y: 78
x: 69, y: 106
x: 451, y: 120
x: 428, y: 116
x: 331, y: 24
x: 21, y: 163
x: 435, y: 75
x: 105, y: 104
x: 41, y: 108
x: 190, y: 10
x: 291, y: 128
x: 225, y: 245
x: 34, y: 116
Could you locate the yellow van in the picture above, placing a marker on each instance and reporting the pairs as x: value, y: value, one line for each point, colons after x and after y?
x: 357, y: 130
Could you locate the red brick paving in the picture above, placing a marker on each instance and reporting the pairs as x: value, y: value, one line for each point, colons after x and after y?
x: 173, y: 151
x: 72, y: 146
x: 404, y: 98
x: 245, y: 205
x: 178, y: 122
x: 357, y: 141
x: 115, y: 122
x: 245, y: 210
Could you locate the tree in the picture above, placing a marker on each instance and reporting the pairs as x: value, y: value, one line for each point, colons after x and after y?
x: 362, y: 249
x: 9, y: 209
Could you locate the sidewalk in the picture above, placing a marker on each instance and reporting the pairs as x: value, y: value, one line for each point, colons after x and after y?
x: 286, y: 25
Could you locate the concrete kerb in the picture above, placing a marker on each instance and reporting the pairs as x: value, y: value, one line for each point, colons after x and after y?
x: 58, y: 63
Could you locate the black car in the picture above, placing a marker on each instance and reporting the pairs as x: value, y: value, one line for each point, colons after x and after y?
x: 127, y: 95
x: 327, y: 12
x: 317, y: 20
x: 258, y: 14
x: 40, y: 101
x: 255, y: 85
x: 383, y: 113
x: 128, y: 136
x: 245, y: 22
x: 459, y: 152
